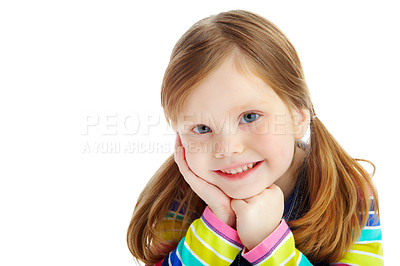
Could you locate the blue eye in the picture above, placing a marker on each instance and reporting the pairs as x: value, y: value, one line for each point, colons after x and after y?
x: 201, y: 128
x: 250, y: 116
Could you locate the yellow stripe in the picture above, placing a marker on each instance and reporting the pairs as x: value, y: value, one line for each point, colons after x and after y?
x: 298, y: 256
x: 220, y: 245
x: 291, y: 258
x: 168, y: 224
x: 169, y: 231
x: 373, y: 248
x: 171, y: 235
x: 202, y: 251
x: 361, y: 259
x: 282, y: 252
x: 365, y: 254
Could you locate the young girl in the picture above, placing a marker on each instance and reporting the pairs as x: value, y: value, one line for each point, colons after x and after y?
x: 243, y: 186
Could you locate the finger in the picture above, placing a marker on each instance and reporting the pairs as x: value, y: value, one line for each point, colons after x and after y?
x: 271, y: 191
x: 238, y: 205
x: 275, y: 189
x: 263, y: 193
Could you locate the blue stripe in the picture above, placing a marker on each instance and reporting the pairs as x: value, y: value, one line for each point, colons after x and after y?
x: 175, y: 205
x: 174, y: 259
x: 165, y: 261
x: 372, y: 206
x: 373, y: 221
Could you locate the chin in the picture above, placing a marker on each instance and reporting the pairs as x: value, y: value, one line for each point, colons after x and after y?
x: 242, y: 194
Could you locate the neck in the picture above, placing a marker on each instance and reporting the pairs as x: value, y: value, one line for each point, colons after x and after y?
x: 288, y: 181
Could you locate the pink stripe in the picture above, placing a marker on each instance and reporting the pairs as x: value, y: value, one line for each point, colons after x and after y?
x: 268, y: 244
x: 220, y: 227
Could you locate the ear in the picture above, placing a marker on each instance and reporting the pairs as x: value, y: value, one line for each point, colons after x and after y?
x: 301, y: 122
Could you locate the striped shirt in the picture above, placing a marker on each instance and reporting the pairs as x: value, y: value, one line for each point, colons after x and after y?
x: 209, y: 241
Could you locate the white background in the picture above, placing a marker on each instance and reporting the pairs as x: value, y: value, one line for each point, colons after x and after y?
x: 76, y: 74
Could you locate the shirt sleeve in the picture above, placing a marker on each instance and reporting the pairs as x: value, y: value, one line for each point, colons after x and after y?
x: 279, y: 248
x: 209, y: 241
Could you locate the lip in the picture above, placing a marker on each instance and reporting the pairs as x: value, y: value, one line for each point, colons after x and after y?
x: 241, y: 175
x: 236, y: 165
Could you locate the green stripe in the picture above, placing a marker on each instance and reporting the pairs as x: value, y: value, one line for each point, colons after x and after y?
x: 172, y: 214
x: 370, y: 235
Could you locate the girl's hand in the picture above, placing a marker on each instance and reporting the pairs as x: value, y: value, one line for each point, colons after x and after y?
x: 215, y: 198
x: 257, y: 217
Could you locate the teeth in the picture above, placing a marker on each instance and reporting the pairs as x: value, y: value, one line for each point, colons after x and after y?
x: 239, y: 169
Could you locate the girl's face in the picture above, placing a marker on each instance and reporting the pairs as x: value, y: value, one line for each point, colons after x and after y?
x: 232, y: 120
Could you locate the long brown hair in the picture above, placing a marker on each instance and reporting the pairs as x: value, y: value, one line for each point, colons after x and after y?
x: 339, y: 188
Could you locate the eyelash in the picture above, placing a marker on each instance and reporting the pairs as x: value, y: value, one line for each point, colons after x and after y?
x: 258, y: 115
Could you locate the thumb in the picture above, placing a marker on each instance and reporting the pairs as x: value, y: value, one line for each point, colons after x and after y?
x: 238, y: 205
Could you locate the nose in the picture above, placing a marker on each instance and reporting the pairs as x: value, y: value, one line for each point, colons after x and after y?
x: 228, y: 145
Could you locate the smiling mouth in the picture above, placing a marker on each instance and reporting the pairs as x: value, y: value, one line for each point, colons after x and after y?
x: 241, y: 173
x: 240, y: 169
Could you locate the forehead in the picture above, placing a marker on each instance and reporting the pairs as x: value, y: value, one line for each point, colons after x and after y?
x: 227, y: 90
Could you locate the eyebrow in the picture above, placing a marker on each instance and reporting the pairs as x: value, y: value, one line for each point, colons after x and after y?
x: 247, y: 105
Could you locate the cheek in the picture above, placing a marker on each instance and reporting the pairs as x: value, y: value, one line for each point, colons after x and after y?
x: 276, y: 149
x: 196, y: 157
x: 192, y: 159
x: 274, y: 136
